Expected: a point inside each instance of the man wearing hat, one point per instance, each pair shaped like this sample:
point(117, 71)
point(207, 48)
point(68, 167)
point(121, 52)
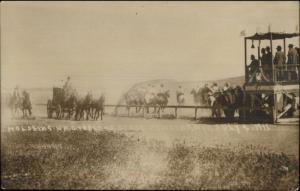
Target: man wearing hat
point(269, 56)
point(279, 62)
point(293, 60)
point(253, 68)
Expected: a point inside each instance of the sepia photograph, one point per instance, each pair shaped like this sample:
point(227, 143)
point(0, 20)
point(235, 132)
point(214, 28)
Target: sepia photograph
point(149, 95)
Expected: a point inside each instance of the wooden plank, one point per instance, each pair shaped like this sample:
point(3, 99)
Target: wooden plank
point(286, 109)
point(288, 120)
point(168, 106)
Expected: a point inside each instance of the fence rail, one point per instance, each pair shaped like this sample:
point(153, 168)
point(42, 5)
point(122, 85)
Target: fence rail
point(241, 109)
point(175, 107)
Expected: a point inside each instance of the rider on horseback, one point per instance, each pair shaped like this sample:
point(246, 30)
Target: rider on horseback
point(26, 102)
point(214, 90)
point(161, 90)
point(179, 93)
point(228, 91)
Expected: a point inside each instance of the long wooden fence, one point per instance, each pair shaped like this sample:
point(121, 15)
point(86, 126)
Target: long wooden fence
point(143, 107)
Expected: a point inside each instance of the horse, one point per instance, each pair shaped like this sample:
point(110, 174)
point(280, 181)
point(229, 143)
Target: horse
point(180, 98)
point(26, 104)
point(150, 100)
point(135, 98)
point(97, 108)
point(83, 106)
point(197, 96)
point(15, 105)
point(201, 96)
point(225, 100)
point(68, 106)
point(162, 100)
point(240, 100)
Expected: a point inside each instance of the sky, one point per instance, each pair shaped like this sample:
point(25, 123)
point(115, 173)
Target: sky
point(113, 45)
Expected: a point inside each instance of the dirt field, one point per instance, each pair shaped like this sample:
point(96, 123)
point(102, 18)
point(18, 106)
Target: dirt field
point(141, 153)
point(280, 138)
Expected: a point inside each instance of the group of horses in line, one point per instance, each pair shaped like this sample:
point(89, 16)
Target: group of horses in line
point(228, 101)
point(78, 108)
point(139, 99)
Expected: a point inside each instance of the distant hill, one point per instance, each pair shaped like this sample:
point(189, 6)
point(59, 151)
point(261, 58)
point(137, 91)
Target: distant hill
point(187, 86)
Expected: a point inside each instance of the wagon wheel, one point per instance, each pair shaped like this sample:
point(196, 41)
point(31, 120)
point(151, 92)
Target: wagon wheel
point(49, 109)
point(58, 111)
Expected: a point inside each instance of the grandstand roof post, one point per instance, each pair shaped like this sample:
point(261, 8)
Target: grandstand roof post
point(246, 75)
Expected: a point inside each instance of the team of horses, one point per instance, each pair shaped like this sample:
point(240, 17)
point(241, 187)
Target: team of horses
point(229, 101)
point(78, 108)
point(146, 100)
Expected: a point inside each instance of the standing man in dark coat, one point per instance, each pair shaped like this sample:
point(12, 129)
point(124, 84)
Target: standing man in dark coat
point(266, 68)
point(279, 63)
point(269, 60)
point(253, 69)
point(293, 60)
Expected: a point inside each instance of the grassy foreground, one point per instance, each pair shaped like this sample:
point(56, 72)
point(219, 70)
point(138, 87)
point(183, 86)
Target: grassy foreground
point(107, 160)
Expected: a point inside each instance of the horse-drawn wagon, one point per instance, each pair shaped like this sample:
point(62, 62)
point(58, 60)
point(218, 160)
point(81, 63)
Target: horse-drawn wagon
point(62, 102)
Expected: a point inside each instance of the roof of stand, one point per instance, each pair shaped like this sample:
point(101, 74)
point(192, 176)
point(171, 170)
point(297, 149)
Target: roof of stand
point(274, 35)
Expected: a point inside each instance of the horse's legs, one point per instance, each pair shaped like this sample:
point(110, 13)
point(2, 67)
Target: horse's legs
point(218, 112)
point(24, 113)
point(79, 115)
point(92, 114)
point(82, 114)
point(212, 112)
point(97, 114)
point(69, 114)
point(87, 114)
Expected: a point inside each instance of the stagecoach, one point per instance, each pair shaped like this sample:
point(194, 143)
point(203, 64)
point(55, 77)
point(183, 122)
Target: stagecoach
point(277, 99)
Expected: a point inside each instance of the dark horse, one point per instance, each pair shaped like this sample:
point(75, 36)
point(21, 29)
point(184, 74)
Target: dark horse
point(162, 100)
point(83, 106)
point(228, 101)
point(68, 106)
point(97, 108)
point(26, 104)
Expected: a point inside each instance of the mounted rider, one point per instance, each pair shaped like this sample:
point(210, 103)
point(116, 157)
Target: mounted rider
point(179, 93)
point(26, 101)
point(214, 91)
point(228, 91)
point(161, 90)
